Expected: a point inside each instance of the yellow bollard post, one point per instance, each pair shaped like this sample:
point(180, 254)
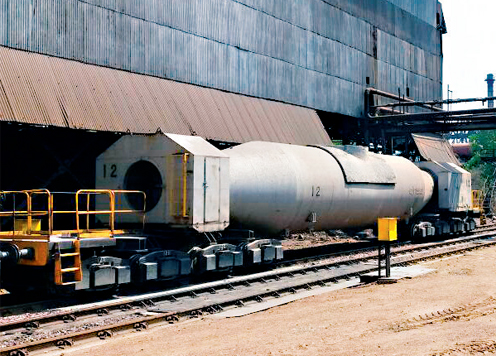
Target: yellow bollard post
point(387, 232)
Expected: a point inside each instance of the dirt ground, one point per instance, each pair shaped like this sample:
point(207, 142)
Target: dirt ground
point(321, 238)
point(451, 311)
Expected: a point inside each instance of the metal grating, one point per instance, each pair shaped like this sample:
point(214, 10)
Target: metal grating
point(43, 90)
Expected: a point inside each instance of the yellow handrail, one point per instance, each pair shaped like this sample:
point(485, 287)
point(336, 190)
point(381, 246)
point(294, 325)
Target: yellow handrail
point(477, 199)
point(127, 211)
point(13, 211)
point(29, 213)
point(111, 212)
point(185, 184)
point(30, 206)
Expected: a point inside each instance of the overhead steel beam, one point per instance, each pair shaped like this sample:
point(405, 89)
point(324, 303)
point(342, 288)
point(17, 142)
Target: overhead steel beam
point(444, 115)
point(400, 99)
point(434, 102)
point(433, 127)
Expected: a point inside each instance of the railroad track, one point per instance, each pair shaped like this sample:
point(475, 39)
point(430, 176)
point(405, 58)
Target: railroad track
point(62, 327)
point(309, 253)
point(303, 255)
point(292, 257)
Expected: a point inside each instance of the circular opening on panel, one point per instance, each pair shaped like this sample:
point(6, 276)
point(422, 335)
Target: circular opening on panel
point(144, 176)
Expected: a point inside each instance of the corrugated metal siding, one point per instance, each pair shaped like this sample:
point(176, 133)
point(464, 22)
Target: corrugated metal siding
point(314, 53)
point(51, 91)
point(424, 10)
point(433, 147)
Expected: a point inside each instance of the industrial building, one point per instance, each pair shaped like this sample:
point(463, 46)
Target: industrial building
point(77, 74)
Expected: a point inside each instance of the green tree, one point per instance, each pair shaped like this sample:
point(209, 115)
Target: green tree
point(481, 165)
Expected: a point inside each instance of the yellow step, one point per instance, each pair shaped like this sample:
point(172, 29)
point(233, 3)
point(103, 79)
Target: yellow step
point(70, 254)
point(68, 283)
point(75, 268)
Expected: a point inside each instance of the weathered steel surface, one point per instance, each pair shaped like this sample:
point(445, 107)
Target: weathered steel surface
point(202, 203)
point(433, 147)
point(425, 10)
point(315, 53)
point(51, 91)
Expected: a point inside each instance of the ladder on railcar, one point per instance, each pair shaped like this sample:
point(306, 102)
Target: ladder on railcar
point(68, 269)
point(33, 226)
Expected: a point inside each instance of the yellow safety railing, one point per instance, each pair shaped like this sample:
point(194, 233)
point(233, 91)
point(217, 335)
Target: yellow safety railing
point(111, 212)
point(23, 209)
point(185, 185)
point(26, 213)
point(178, 199)
point(477, 200)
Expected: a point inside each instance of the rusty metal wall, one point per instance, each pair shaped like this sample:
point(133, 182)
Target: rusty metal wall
point(314, 53)
point(433, 147)
point(49, 91)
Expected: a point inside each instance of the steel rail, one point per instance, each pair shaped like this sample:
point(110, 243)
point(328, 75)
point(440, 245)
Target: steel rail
point(317, 274)
point(291, 266)
point(304, 255)
point(312, 257)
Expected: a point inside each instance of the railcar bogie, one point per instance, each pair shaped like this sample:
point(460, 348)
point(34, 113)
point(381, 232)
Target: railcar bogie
point(169, 207)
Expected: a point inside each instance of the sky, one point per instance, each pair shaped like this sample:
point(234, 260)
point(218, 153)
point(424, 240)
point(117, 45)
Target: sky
point(469, 49)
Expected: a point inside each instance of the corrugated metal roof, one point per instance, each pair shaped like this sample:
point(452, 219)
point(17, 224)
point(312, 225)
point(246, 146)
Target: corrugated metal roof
point(433, 147)
point(43, 90)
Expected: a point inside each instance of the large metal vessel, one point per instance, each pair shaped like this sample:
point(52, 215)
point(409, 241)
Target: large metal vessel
point(276, 187)
point(190, 185)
